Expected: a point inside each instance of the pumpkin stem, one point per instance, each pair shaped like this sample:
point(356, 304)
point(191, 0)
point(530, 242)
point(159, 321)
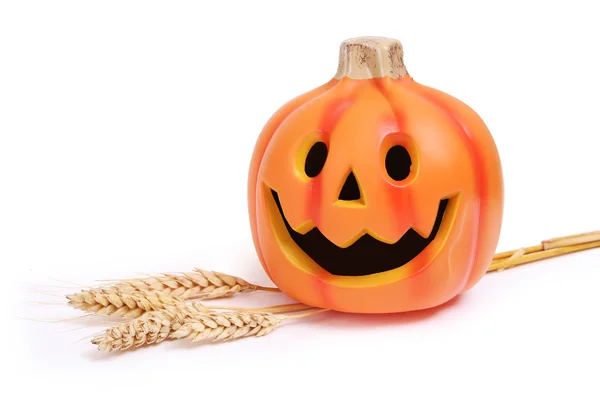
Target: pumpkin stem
point(371, 57)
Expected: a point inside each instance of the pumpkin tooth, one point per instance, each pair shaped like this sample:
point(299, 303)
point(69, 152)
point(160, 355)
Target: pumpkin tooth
point(425, 214)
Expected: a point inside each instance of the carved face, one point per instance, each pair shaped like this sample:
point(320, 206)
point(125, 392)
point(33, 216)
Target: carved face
point(376, 195)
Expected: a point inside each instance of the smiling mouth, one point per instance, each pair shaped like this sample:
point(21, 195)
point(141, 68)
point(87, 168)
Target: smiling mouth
point(365, 256)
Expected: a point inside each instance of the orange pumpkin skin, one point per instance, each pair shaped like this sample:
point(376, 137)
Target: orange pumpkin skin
point(454, 158)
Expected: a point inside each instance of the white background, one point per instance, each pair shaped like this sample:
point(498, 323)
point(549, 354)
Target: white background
point(126, 133)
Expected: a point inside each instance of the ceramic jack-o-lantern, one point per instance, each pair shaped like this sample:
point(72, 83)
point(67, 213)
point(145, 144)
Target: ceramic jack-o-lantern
point(374, 193)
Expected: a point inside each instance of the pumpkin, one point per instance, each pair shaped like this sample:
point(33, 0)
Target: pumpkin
point(373, 193)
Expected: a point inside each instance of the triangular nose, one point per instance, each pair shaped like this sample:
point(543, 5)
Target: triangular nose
point(350, 190)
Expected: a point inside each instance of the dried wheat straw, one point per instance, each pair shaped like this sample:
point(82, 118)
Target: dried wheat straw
point(290, 307)
point(547, 249)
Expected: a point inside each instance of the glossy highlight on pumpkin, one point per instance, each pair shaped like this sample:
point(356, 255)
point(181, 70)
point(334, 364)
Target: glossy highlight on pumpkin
point(373, 193)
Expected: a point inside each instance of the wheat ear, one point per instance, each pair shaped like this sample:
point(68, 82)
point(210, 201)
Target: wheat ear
point(130, 298)
point(149, 328)
point(227, 325)
point(124, 302)
point(198, 284)
point(185, 323)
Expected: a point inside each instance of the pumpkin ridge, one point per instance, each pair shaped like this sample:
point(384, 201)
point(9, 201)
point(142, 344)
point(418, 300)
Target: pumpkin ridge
point(260, 147)
point(332, 114)
point(384, 85)
point(391, 88)
point(480, 187)
point(296, 104)
point(492, 183)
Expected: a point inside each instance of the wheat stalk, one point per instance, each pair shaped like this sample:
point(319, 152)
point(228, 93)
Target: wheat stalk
point(124, 302)
point(547, 249)
point(185, 323)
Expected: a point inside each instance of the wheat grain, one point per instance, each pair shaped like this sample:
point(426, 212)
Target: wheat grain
point(185, 323)
point(124, 302)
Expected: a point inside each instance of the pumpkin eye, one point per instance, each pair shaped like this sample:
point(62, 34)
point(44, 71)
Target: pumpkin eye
point(398, 163)
point(315, 159)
